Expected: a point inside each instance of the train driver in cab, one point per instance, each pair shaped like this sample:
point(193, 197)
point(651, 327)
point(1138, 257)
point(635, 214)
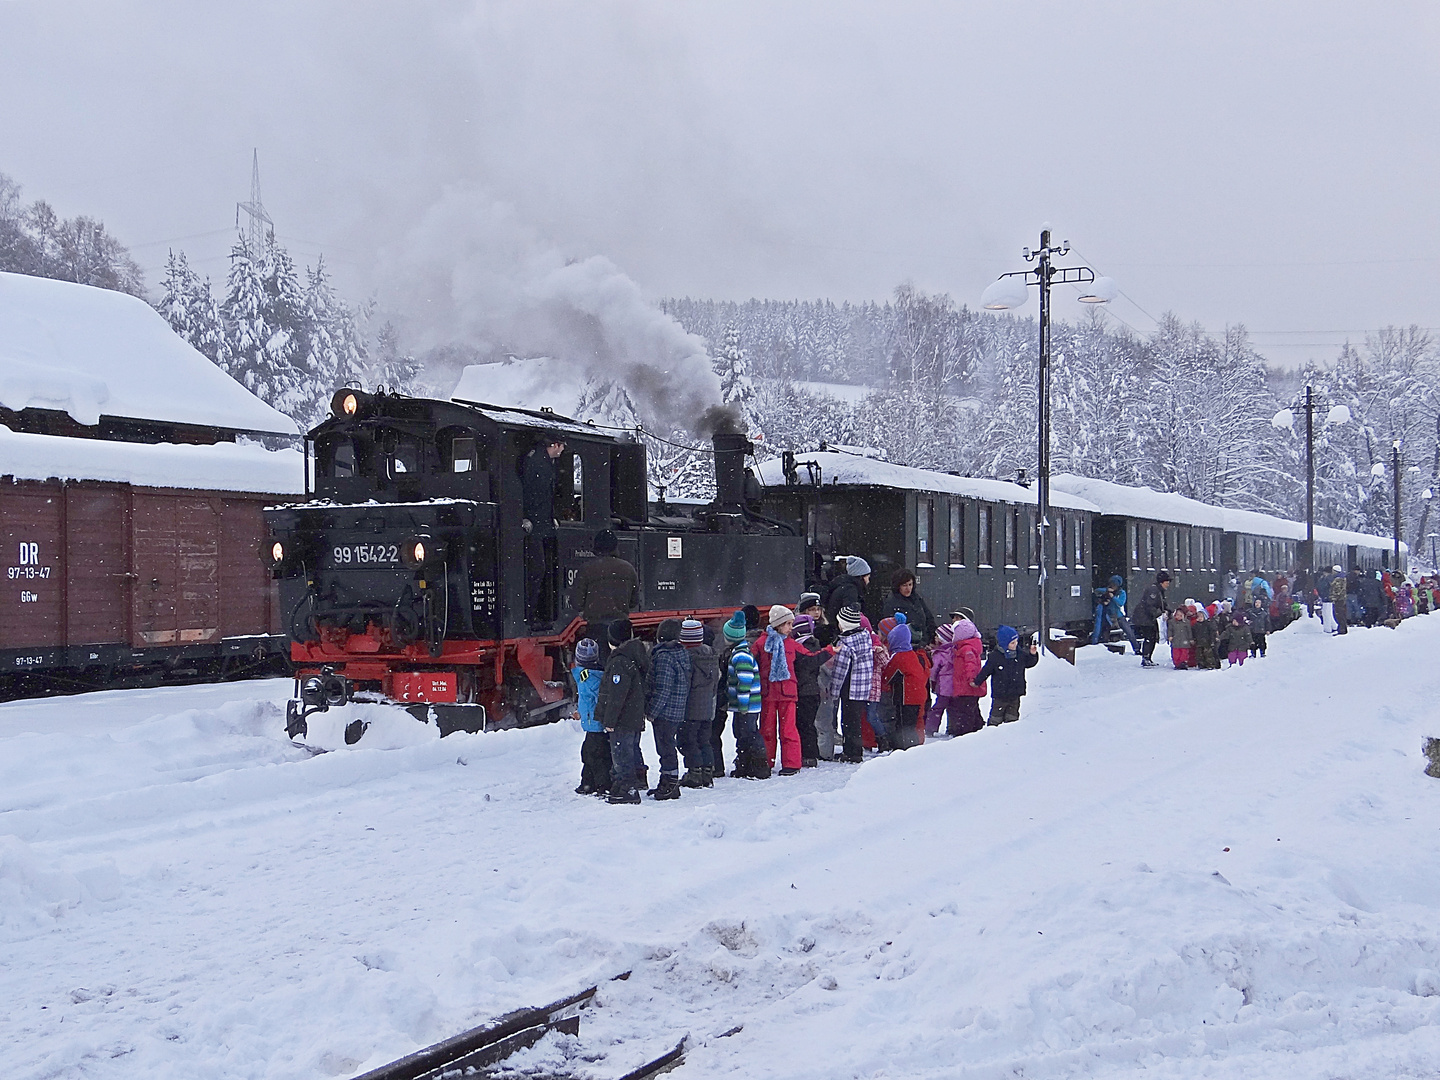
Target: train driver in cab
point(537, 489)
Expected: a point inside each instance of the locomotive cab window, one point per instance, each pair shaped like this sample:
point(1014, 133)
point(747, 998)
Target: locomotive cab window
point(462, 454)
point(402, 456)
point(336, 457)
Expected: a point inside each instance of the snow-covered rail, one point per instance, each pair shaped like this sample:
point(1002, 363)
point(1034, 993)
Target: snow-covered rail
point(477, 1049)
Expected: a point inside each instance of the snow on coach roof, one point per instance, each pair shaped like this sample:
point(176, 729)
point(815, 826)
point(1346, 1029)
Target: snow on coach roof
point(851, 469)
point(92, 352)
point(221, 467)
point(1152, 505)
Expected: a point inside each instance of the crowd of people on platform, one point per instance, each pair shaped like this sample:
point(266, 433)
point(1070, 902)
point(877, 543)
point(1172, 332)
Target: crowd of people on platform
point(787, 681)
point(1236, 626)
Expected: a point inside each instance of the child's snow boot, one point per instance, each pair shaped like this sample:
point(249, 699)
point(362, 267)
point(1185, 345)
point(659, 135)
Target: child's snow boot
point(669, 788)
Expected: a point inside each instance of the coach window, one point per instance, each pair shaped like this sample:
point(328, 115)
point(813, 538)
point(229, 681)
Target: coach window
point(1134, 546)
point(985, 544)
point(1012, 536)
point(1061, 546)
point(1030, 540)
point(924, 531)
point(957, 531)
point(1176, 563)
point(1149, 547)
point(1079, 541)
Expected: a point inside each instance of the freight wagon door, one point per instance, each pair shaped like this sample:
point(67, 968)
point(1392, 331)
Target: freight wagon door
point(97, 565)
point(32, 596)
point(246, 586)
point(176, 544)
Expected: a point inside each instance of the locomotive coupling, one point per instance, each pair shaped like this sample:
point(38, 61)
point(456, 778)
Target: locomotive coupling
point(317, 694)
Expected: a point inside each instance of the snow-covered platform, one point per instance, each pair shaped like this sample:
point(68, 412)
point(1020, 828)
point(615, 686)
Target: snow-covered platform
point(1184, 874)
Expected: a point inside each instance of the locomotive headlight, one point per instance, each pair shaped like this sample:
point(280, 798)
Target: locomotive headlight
point(349, 404)
point(273, 553)
point(415, 551)
point(277, 552)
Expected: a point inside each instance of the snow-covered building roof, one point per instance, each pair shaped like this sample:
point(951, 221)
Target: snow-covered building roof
point(865, 471)
point(1151, 505)
point(93, 352)
point(223, 466)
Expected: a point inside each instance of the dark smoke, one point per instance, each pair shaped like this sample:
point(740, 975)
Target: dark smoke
point(720, 420)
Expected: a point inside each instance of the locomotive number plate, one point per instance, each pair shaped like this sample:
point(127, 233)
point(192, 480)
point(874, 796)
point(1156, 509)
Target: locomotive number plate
point(365, 555)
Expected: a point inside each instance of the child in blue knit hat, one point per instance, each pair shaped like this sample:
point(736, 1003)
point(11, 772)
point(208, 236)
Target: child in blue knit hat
point(595, 750)
point(1005, 668)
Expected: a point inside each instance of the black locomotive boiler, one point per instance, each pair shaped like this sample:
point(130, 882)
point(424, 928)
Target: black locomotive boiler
point(403, 579)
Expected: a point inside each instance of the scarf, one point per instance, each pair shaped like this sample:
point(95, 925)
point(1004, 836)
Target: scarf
point(775, 646)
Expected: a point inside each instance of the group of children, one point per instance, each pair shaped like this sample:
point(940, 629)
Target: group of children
point(1204, 637)
point(772, 684)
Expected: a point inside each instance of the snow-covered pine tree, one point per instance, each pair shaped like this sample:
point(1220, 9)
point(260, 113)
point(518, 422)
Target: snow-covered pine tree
point(335, 354)
point(262, 311)
point(735, 385)
point(190, 307)
point(393, 368)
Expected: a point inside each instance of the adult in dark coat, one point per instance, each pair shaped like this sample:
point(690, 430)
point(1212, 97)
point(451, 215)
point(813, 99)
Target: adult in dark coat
point(904, 597)
point(606, 587)
point(1372, 597)
point(1152, 607)
point(848, 590)
point(620, 709)
point(537, 500)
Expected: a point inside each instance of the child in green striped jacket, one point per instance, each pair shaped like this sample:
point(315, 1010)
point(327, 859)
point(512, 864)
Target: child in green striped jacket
point(743, 692)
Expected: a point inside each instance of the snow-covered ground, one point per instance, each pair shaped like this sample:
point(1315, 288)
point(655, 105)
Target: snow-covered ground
point(1181, 874)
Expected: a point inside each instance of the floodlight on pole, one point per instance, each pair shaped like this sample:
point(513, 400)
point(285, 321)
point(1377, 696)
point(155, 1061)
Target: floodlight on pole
point(1012, 291)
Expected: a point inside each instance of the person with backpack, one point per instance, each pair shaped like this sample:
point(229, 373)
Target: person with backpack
point(742, 684)
point(907, 678)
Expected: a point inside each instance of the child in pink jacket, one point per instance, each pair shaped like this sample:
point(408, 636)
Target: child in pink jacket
point(942, 679)
point(964, 708)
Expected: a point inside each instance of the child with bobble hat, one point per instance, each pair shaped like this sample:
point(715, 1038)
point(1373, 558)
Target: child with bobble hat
point(743, 690)
point(595, 750)
point(907, 674)
point(779, 691)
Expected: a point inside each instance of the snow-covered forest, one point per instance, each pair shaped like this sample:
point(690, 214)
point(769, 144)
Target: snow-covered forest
point(1180, 410)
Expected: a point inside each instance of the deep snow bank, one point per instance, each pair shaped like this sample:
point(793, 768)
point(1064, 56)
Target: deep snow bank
point(1216, 874)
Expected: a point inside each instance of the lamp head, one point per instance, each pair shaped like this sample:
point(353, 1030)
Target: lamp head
point(1004, 294)
point(1100, 291)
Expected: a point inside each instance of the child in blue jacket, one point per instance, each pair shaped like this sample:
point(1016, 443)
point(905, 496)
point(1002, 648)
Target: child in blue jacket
point(595, 750)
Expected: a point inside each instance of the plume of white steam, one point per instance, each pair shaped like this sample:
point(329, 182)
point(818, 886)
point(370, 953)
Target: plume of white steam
point(483, 278)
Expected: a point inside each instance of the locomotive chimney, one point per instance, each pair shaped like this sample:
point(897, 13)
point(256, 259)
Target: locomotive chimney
point(730, 451)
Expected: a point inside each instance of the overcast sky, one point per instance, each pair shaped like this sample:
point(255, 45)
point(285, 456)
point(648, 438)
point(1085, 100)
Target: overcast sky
point(1271, 164)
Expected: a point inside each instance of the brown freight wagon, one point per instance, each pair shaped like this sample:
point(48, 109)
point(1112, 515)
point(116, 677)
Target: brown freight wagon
point(110, 584)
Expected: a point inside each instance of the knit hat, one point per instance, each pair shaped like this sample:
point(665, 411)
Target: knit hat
point(887, 624)
point(965, 630)
point(587, 651)
point(848, 618)
point(735, 628)
point(946, 633)
point(804, 626)
point(692, 632)
point(865, 622)
point(1005, 636)
point(752, 616)
point(899, 638)
point(855, 566)
point(669, 630)
point(604, 543)
point(1164, 575)
point(1116, 579)
point(780, 615)
point(808, 600)
point(621, 631)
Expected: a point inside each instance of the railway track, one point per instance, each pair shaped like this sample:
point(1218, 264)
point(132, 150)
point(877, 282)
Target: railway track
point(475, 1053)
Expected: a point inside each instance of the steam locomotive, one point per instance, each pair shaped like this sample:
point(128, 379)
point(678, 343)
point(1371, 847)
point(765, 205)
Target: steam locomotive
point(402, 578)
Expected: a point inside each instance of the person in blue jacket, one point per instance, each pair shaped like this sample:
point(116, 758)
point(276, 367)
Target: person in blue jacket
point(595, 750)
point(1110, 606)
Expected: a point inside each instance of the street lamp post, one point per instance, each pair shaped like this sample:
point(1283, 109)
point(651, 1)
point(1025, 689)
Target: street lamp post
point(1337, 414)
point(1011, 291)
point(1395, 467)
